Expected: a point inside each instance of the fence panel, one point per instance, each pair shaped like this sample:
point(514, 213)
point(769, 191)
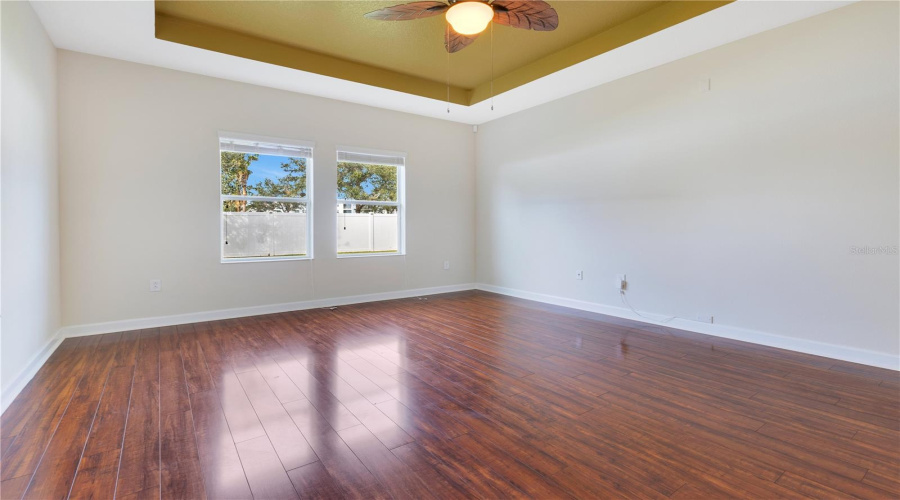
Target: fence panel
point(359, 233)
point(261, 234)
point(385, 227)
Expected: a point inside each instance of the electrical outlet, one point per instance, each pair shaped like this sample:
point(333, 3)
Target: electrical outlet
point(155, 285)
point(704, 318)
point(446, 265)
point(579, 275)
point(621, 283)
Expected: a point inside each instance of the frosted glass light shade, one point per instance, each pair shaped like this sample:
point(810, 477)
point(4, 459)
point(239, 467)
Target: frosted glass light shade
point(470, 18)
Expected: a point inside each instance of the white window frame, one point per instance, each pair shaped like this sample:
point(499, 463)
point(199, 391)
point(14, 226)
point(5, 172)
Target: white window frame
point(400, 203)
point(225, 136)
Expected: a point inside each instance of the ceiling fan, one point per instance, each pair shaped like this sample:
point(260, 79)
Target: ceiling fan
point(468, 18)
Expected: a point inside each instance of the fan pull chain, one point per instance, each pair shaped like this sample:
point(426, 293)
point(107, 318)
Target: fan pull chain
point(447, 47)
point(492, 65)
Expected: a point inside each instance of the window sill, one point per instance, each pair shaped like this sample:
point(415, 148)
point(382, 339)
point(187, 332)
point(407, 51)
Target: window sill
point(242, 260)
point(373, 254)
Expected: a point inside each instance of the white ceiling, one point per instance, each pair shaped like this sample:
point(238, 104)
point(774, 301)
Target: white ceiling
point(125, 30)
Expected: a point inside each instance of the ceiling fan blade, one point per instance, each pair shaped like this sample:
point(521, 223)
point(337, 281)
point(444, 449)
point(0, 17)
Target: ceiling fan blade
point(454, 42)
point(408, 11)
point(530, 15)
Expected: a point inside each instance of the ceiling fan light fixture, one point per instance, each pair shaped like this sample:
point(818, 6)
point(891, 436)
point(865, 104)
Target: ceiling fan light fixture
point(469, 18)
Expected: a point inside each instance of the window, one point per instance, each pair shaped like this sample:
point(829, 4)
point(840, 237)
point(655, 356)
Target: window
point(265, 202)
point(370, 209)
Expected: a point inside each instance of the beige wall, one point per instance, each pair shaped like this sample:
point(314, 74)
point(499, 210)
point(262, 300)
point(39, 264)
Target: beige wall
point(742, 202)
point(29, 272)
point(140, 191)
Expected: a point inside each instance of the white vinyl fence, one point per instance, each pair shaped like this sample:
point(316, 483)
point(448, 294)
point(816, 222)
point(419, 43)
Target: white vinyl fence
point(367, 233)
point(262, 234)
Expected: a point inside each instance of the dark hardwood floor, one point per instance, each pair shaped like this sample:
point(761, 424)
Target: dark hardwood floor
point(461, 395)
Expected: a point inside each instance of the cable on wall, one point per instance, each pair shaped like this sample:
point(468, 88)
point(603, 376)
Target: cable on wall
point(625, 301)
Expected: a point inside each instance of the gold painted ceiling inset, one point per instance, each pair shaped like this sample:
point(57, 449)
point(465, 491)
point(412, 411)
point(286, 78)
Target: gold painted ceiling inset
point(333, 38)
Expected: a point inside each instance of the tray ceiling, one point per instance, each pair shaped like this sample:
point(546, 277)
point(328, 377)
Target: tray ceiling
point(332, 38)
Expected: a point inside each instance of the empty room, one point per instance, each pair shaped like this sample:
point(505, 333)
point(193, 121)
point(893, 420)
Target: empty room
point(450, 249)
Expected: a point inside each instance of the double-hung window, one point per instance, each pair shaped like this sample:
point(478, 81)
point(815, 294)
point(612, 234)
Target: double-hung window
point(266, 210)
point(370, 208)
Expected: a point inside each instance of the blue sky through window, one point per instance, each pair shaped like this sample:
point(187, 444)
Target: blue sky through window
point(266, 167)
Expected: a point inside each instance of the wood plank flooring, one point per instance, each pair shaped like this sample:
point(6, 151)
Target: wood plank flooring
point(455, 396)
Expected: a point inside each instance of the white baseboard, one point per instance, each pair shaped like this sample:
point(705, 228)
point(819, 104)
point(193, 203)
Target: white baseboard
point(34, 364)
point(844, 353)
point(15, 387)
point(240, 312)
